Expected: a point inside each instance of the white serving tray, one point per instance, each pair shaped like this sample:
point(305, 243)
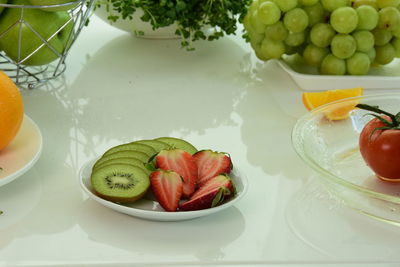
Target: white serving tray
point(306, 77)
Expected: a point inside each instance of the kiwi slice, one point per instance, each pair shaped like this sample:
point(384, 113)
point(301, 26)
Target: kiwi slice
point(148, 150)
point(178, 143)
point(121, 183)
point(126, 160)
point(157, 145)
point(123, 154)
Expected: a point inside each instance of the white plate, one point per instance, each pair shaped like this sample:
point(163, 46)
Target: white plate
point(151, 210)
point(306, 77)
point(22, 153)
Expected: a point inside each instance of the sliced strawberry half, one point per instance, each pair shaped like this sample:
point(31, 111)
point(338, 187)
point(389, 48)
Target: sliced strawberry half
point(205, 201)
point(222, 180)
point(211, 194)
point(167, 187)
point(211, 164)
point(181, 162)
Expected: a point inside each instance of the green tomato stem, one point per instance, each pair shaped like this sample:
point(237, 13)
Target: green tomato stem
point(395, 118)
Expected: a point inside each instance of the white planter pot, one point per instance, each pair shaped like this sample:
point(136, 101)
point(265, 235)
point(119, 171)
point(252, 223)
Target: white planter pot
point(136, 24)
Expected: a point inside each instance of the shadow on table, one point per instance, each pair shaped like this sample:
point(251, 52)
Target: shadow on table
point(136, 88)
point(322, 220)
point(272, 108)
point(203, 237)
point(114, 99)
point(31, 200)
point(17, 201)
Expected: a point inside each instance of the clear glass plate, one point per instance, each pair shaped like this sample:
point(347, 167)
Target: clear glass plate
point(331, 149)
point(147, 208)
point(308, 79)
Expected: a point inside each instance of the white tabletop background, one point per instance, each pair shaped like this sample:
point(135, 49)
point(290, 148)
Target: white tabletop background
point(118, 88)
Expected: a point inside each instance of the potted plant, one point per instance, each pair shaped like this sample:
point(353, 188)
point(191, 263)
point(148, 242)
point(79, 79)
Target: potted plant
point(189, 20)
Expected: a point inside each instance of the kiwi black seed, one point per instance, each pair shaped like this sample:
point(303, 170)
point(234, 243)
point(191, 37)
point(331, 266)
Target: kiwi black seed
point(148, 150)
point(178, 143)
point(120, 183)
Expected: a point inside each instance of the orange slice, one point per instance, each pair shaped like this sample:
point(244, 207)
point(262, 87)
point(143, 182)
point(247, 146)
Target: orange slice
point(341, 111)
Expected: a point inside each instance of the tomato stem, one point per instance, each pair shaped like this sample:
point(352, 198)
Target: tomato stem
point(394, 118)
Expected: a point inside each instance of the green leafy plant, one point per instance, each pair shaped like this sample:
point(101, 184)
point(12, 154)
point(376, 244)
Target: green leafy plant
point(191, 16)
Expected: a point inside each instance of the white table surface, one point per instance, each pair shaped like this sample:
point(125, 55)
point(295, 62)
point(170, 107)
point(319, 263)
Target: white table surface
point(118, 88)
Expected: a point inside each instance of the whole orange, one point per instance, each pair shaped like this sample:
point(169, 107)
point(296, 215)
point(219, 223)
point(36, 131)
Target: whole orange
point(11, 110)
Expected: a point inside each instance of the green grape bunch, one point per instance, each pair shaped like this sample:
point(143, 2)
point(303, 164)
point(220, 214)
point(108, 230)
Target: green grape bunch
point(338, 37)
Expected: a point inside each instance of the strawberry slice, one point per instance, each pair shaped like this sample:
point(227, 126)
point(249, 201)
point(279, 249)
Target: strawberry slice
point(181, 162)
point(205, 201)
point(222, 180)
point(211, 194)
point(167, 188)
point(211, 164)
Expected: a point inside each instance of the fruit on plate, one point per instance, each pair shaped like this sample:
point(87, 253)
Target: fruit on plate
point(54, 27)
point(173, 174)
point(157, 145)
point(148, 150)
point(210, 194)
point(181, 162)
point(167, 187)
point(178, 143)
point(123, 154)
point(124, 160)
point(139, 152)
point(121, 183)
point(313, 100)
point(325, 34)
point(54, 2)
point(379, 143)
point(210, 164)
point(11, 110)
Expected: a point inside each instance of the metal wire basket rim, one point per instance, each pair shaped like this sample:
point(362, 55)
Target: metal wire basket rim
point(42, 6)
point(30, 76)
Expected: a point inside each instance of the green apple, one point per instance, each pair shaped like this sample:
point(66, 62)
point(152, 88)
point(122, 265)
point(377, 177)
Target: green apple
point(2, 2)
point(54, 2)
point(46, 24)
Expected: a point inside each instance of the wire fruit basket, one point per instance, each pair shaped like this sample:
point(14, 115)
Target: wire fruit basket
point(35, 39)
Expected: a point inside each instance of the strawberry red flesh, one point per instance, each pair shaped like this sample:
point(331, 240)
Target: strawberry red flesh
point(211, 164)
point(182, 163)
point(167, 187)
point(204, 201)
point(211, 194)
point(222, 180)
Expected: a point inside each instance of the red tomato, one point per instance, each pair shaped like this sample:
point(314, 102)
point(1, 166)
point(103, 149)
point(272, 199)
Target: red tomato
point(381, 150)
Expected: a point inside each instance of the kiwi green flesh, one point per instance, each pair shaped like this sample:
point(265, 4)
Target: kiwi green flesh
point(148, 150)
point(157, 145)
point(130, 161)
point(178, 143)
point(121, 183)
point(124, 154)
